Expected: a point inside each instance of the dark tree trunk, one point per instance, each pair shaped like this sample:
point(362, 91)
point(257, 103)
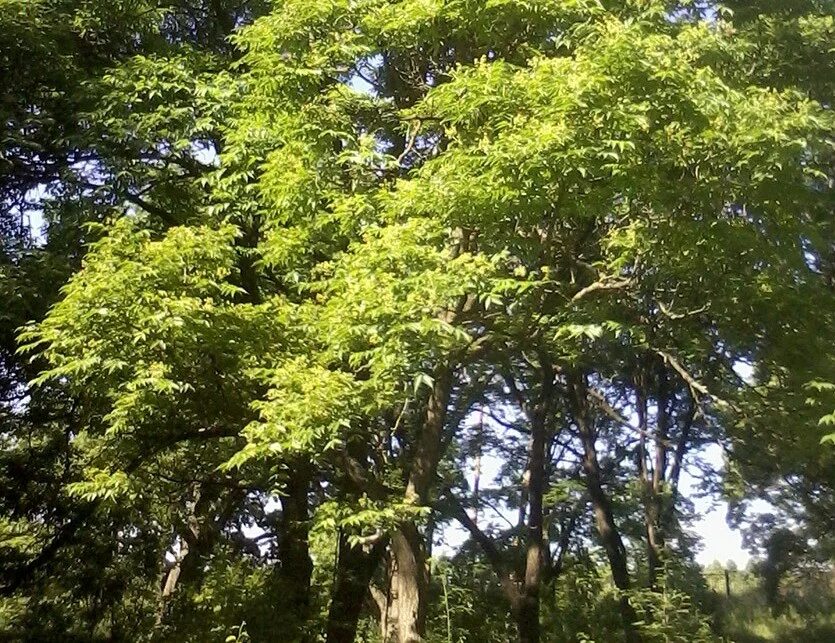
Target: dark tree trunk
point(612, 543)
point(602, 508)
point(295, 566)
point(354, 568)
point(526, 614)
point(523, 589)
point(605, 524)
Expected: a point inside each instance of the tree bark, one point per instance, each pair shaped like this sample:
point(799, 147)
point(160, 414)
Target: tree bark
point(409, 584)
point(650, 489)
point(527, 613)
point(169, 582)
point(354, 568)
point(655, 526)
point(428, 447)
point(295, 566)
point(410, 570)
point(602, 508)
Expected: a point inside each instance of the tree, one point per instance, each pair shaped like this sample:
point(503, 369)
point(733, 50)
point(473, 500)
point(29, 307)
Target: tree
point(78, 144)
point(322, 245)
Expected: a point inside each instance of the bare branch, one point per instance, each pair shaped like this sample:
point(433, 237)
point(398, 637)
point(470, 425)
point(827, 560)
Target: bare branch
point(413, 134)
point(696, 387)
point(603, 284)
point(689, 313)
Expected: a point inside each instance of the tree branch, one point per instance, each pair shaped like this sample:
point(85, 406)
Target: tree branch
point(603, 284)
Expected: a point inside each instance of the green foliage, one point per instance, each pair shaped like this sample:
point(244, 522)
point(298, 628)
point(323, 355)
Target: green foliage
point(585, 608)
point(291, 248)
point(746, 616)
point(467, 604)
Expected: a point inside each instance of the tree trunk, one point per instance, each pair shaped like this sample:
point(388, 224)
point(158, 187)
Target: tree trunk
point(655, 526)
point(650, 490)
point(428, 448)
point(526, 614)
point(655, 544)
point(295, 566)
point(410, 573)
point(409, 584)
point(523, 590)
point(605, 523)
point(169, 582)
point(354, 568)
point(602, 508)
point(611, 541)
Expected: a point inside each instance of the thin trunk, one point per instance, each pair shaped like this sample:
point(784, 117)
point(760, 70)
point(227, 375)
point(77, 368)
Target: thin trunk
point(527, 612)
point(523, 591)
point(554, 568)
point(520, 607)
point(678, 461)
point(169, 583)
point(611, 541)
point(478, 448)
point(656, 528)
point(522, 514)
point(605, 521)
point(655, 543)
point(602, 508)
point(649, 487)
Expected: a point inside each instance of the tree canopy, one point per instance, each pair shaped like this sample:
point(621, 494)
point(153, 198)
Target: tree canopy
point(319, 283)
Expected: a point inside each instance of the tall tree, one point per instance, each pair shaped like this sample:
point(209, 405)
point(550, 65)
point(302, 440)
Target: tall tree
point(322, 241)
